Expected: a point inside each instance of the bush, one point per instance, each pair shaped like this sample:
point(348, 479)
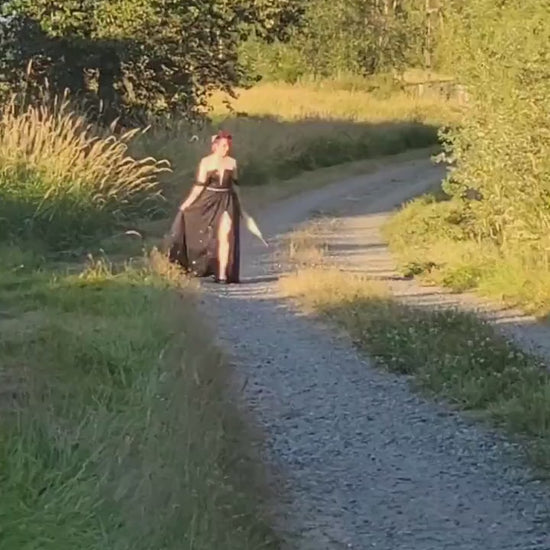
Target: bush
point(61, 180)
point(493, 234)
point(500, 51)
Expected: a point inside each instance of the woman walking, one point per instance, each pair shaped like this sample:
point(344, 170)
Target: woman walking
point(205, 233)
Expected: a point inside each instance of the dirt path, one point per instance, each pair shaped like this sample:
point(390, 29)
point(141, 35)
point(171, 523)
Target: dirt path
point(358, 246)
point(365, 462)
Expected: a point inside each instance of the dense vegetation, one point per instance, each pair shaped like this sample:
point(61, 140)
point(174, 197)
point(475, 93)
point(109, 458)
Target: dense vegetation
point(116, 430)
point(353, 37)
point(116, 427)
point(131, 393)
point(133, 56)
point(491, 232)
point(65, 182)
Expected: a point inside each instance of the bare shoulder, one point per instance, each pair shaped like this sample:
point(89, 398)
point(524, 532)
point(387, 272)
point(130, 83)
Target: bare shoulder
point(232, 163)
point(205, 161)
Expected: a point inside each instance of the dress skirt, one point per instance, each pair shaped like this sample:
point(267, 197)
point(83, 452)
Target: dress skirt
point(194, 235)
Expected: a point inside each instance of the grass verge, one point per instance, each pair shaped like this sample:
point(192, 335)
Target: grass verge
point(450, 354)
point(116, 429)
point(431, 241)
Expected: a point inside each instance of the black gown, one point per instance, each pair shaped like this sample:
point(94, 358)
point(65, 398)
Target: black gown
point(194, 234)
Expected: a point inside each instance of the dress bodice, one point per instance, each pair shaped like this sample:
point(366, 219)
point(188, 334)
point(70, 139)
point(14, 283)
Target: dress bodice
point(226, 182)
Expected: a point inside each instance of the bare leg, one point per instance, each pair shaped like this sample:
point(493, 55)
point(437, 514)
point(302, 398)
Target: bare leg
point(224, 231)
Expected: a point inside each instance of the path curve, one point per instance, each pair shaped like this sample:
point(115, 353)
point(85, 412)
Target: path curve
point(365, 462)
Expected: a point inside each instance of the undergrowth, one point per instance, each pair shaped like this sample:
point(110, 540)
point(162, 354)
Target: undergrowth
point(63, 181)
point(434, 241)
point(116, 427)
point(492, 236)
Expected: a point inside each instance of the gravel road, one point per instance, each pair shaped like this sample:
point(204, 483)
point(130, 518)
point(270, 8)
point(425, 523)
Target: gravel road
point(362, 461)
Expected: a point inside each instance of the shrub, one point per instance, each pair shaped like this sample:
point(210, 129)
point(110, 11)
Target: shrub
point(62, 180)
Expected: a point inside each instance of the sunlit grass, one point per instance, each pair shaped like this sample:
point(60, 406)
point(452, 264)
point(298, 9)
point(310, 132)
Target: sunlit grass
point(300, 102)
point(448, 353)
point(430, 242)
point(281, 131)
point(116, 427)
point(62, 180)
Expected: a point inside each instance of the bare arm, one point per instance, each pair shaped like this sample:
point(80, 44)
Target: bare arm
point(197, 189)
point(194, 194)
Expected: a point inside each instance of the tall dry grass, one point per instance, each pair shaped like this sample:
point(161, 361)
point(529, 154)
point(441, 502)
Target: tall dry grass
point(281, 131)
point(302, 102)
point(61, 179)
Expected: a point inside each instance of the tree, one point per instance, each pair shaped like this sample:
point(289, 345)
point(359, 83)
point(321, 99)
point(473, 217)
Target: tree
point(347, 36)
point(146, 56)
point(388, 33)
point(501, 52)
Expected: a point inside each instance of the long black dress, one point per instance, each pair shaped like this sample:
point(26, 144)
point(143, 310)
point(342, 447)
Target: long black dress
point(194, 235)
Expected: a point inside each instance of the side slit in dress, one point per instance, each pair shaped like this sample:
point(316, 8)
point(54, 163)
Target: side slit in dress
point(195, 232)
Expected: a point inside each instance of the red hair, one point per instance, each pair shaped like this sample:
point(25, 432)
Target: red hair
point(222, 134)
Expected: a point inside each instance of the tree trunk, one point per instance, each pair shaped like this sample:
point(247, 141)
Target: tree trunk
point(109, 74)
point(70, 74)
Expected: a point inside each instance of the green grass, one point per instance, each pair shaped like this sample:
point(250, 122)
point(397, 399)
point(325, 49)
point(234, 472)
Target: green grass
point(116, 426)
point(116, 429)
point(65, 182)
point(449, 354)
point(433, 240)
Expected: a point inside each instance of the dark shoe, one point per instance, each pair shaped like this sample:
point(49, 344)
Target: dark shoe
point(221, 281)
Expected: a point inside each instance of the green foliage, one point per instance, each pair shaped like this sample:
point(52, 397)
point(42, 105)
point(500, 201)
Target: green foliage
point(501, 52)
point(138, 56)
point(439, 242)
point(339, 37)
point(115, 430)
point(500, 183)
point(425, 216)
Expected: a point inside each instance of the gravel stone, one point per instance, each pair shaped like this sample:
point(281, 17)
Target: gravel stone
point(362, 461)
